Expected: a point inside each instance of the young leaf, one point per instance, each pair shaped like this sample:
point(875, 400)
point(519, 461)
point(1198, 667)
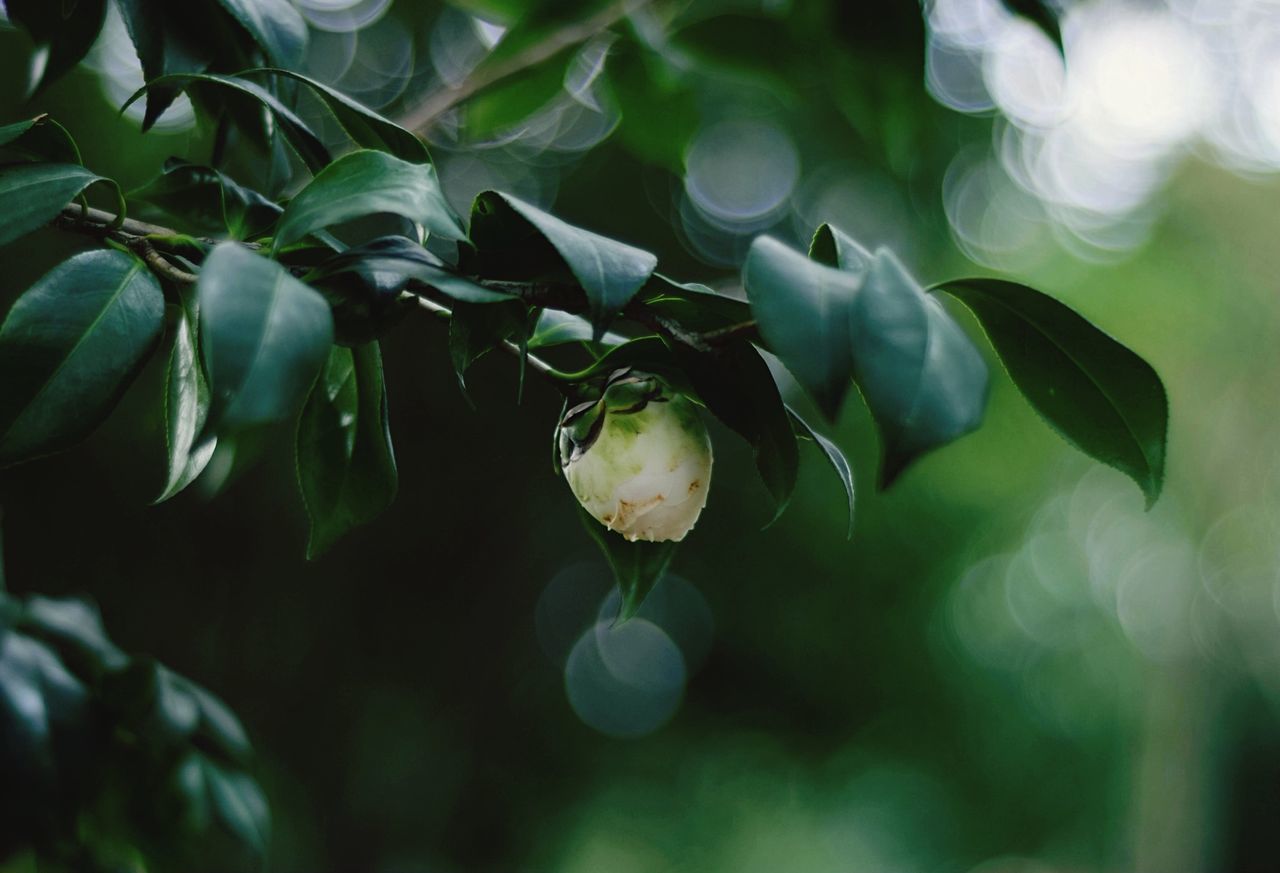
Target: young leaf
point(346, 466)
point(637, 567)
point(736, 385)
point(923, 379)
point(275, 25)
point(363, 183)
point(42, 139)
point(250, 96)
point(512, 235)
point(833, 454)
point(803, 311)
point(555, 328)
point(32, 195)
point(366, 127)
point(186, 403)
point(205, 200)
point(69, 348)
point(264, 336)
point(67, 29)
point(1100, 396)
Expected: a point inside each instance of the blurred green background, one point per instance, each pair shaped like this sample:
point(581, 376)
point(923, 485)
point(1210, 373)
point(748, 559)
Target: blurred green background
point(1010, 668)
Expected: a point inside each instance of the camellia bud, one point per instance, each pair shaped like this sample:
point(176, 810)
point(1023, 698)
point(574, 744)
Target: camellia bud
point(638, 458)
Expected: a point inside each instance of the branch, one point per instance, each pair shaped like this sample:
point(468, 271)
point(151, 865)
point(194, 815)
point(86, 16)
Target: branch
point(424, 116)
point(139, 237)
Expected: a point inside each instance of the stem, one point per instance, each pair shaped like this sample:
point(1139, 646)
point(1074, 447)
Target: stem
point(424, 116)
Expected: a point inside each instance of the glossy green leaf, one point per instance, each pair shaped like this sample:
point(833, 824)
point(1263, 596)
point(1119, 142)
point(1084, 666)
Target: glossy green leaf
point(735, 384)
point(922, 377)
point(555, 328)
point(68, 30)
point(803, 312)
point(250, 95)
point(637, 567)
point(1100, 396)
point(363, 183)
point(186, 403)
point(32, 195)
point(834, 456)
point(263, 336)
point(169, 38)
point(392, 262)
point(365, 126)
point(205, 200)
point(70, 346)
point(696, 307)
point(275, 25)
point(519, 238)
point(40, 138)
point(346, 466)
point(238, 804)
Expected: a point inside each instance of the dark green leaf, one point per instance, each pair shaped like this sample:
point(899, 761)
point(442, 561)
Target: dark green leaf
point(275, 25)
point(474, 330)
point(263, 335)
point(1100, 396)
point(650, 354)
point(366, 127)
point(923, 379)
point(32, 195)
point(248, 96)
point(238, 804)
point(363, 183)
point(392, 262)
point(637, 566)
point(168, 39)
point(69, 348)
point(205, 200)
point(186, 403)
point(40, 138)
point(67, 29)
point(833, 454)
point(735, 384)
point(695, 306)
point(803, 312)
point(346, 466)
point(511, 235)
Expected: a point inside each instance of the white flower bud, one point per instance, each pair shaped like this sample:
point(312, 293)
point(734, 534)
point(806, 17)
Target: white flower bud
point(638, 459)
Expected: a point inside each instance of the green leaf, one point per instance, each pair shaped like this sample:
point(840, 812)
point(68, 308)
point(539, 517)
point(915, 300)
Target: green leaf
point(205, 200)
point(275, 25)
point(363, 183)
point(346, 466)
point(833, 454)
point(70, 346)
point(637, 567)
point(186, 404)
point(249, 96)
point(803, 312)
point(735, 384)
point(239, 805)
point(40, 138)
point(474, 330)
point(514, 237)
point(1100, 396)
point(32, 195)
point(923, 379)
point(391, 262)
point(649, 354)
point(555, 328)
point(365, 127)
point(263, 334)
point(68, 30)
point(695, 306)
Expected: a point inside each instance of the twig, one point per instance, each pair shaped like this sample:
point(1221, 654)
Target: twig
point(424, 116)
point(142, 247)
